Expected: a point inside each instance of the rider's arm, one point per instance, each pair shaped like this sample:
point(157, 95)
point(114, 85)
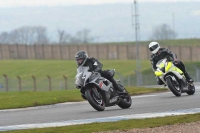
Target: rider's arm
point(174, 57)
point(153, 64)
point(97, 65)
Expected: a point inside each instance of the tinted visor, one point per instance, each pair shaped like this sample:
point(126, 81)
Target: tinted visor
point(153, 47)
point(79, 56)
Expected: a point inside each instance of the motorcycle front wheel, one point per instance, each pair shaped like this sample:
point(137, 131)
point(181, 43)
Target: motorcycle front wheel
point(95, 102)
point(174, 88)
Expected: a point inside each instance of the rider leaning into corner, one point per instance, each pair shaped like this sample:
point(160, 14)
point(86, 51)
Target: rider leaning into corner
point(161, 53)
point(95, 66)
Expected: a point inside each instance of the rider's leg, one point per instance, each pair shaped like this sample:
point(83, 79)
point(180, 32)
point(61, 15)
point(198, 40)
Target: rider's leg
point(106, 75)
point(180, 65)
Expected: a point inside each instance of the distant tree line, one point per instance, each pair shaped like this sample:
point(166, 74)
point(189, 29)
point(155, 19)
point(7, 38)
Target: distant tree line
point(163, 32)
point(30, 35)
point(81, 37)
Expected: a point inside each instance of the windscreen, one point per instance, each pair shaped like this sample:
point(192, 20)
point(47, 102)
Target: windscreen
point(80, 70)
point(159, 63)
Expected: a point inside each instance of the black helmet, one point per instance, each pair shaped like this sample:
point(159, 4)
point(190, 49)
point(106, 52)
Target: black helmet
point(81, 57)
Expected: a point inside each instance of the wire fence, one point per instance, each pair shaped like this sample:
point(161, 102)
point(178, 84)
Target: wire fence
point(34, 84)
point(48, 83)
point(150, 79)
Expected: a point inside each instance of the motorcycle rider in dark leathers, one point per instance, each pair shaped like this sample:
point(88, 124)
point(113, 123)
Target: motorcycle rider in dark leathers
point(95, 66)
point(161, 53)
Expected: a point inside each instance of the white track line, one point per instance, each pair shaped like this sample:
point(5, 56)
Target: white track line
point(104, 119)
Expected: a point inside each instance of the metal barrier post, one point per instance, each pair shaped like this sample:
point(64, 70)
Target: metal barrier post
point(65, 81)
point(34, 82)
point(49, 82)
point(6, 78)
point(197, 74)
point(20, 87)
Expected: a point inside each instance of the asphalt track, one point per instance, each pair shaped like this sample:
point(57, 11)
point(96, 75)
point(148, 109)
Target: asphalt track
point(143, 106)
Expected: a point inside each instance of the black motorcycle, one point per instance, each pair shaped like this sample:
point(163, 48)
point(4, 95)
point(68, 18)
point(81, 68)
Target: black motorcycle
point(99, 91)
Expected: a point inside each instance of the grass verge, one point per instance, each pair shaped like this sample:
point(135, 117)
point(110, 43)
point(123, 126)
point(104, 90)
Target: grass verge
point(10, 100)
point(119, 125)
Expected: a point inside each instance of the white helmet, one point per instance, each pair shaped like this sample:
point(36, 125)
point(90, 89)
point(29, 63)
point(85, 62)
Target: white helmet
point(154, 47)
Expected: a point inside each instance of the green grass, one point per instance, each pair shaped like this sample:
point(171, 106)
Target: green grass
point(57, 68)
point(38, 68)
point(25, 69)
point(119, 125)
point(142, 90)
point(30, 99)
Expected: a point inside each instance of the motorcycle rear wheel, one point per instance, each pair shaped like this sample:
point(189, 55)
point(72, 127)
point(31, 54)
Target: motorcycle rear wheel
point(125, 101)
point(191, 90)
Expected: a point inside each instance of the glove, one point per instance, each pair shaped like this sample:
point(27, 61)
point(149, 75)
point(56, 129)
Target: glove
point(97, 70)
point(176, 61)
point(78, 87)
point(169, 58)
point(109, 73)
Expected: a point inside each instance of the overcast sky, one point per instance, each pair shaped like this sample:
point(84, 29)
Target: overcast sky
point(109, 22)
point(14, 3)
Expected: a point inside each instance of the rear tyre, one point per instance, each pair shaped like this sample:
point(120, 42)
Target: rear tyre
point(96, 103)
point(175, 89)
point(125, 101)
point(191, 89)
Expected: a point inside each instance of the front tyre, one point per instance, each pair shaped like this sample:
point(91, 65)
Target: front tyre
point(96, 103)
point(174, 88)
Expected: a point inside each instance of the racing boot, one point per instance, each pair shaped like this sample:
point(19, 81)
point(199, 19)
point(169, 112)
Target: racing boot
point(122, 90)
point(182, 67)
point(188, 78)
point(117, 87)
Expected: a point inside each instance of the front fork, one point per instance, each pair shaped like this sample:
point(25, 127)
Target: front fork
point(175, 81)
point(94, 89)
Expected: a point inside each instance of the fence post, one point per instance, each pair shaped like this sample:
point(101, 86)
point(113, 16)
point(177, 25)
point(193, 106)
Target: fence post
point(1, 53)
point(20, 87)
point(129, 80)
point(34, 82)
point(49, 82)
point(197, 74)
point(65, 81)
point(6, 78)
point(35, 55)
point(139, 78)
